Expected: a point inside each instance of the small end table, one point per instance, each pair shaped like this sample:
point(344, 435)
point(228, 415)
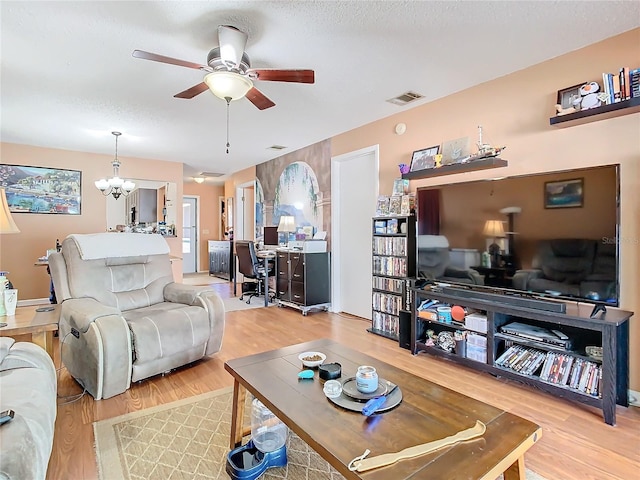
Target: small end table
point(40, 325)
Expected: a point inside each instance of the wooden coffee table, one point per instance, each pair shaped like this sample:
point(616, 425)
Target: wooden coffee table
point(40, 325)
point(428, 412)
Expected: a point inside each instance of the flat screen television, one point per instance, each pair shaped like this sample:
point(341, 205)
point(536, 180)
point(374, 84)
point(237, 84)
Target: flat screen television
point(559, 236)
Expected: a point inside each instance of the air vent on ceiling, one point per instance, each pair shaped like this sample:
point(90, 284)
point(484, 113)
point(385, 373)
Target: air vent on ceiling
point(211, 174)
point(406, 97)
point(276, 147)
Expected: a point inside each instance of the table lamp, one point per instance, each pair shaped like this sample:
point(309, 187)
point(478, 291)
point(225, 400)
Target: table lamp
point(287, 226)
point(7, 225)
point(494, 229)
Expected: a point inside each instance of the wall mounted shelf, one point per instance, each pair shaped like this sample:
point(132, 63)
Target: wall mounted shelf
point(472, 166)
point(613, 110)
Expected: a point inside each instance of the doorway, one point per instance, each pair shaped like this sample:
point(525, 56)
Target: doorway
point(189, 234)
point(352, 209)
point(244, 224)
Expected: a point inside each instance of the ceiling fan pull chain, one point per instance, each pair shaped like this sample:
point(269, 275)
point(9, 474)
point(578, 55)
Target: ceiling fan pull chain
point(228, 99)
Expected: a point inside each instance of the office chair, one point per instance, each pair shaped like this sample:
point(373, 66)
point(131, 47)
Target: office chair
point(251, 268)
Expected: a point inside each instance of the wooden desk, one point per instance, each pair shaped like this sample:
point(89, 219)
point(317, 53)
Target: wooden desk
point(428, 412)
point(40, 325)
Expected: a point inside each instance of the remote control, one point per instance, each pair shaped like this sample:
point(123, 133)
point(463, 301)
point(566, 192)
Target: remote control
point(45, 309)
point(6, 416)
point(560, 335)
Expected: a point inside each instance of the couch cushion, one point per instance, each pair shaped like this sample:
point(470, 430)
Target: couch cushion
point(165, 329)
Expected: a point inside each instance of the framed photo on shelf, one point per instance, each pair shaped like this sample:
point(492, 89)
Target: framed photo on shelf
point(566, 96)
point(564, 193)
point(42, 189)
point(422, 159)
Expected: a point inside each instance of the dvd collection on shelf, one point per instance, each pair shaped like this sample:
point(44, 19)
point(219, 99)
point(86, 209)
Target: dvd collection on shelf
point(386, 303)
point(388, 284)
point(555, 368)
point(390, 266)
point(390, 246)
point(385, 322)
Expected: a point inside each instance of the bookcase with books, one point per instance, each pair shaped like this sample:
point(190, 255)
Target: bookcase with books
point(561, 348)
point(393, 268)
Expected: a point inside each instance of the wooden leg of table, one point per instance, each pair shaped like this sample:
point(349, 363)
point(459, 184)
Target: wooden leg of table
point(237, 414)
point(516, 471)
point(45, 340)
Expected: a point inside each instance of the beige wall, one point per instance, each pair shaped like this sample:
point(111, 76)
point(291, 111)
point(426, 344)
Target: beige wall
point(38, 232)
point(514, 110)
point(209, 204)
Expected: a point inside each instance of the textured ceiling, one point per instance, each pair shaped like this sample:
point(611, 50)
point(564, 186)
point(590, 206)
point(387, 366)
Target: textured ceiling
point(68, 78)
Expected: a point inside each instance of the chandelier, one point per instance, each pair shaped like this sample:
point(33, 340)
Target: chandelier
point(115, 185)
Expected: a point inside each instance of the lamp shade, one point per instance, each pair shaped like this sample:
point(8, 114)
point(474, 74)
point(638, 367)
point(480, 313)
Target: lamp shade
point(228, 85)
point(7, 225)
point(493, 228)
point(287, 224)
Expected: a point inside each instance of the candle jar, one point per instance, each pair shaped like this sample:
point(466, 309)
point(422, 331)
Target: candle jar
point(366, 379)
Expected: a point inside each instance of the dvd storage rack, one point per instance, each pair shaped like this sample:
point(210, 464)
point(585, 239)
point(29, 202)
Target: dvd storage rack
point(393, 265)
point(564, 372)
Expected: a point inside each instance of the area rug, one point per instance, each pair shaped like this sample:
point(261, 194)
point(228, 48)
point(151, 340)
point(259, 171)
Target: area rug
point(189, 439)
point(201, 279)
point(232, 304)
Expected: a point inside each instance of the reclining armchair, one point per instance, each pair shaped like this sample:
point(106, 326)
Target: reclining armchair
point(123, 318)
point(434, 262)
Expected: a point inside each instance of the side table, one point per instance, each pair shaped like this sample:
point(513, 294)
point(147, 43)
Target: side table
point(494, 276)
point(40, 325)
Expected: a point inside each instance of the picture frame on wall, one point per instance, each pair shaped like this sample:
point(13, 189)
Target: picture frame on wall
point(564, 193)
point(423, 159)
point(42, 190)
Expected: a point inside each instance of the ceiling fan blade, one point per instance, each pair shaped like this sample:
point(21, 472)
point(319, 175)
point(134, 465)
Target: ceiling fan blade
point(232, 44)
point(258, 98)
point(193, 91)
point(162, 59)
point(279, 75)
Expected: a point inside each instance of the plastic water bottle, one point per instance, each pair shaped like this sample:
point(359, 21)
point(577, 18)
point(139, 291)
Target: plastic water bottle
point(267, 431)
point(4, 284)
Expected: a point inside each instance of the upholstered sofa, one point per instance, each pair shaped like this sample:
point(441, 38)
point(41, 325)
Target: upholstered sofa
point(434, 262)
point(577, 267)
point(28, 387)
point(123, 318)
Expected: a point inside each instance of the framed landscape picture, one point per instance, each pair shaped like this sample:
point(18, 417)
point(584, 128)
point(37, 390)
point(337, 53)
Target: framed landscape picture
point(42, 189)
point(564, 193)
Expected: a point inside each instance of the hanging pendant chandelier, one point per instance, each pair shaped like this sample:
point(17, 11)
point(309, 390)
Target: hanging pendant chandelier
point(115, 185)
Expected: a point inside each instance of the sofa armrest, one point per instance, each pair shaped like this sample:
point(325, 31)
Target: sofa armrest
point(79, 313)
point(522, 277)
point(206, 298)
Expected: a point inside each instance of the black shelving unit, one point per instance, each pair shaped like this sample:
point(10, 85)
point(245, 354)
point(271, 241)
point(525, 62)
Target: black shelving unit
point(394, 269)
point(471, 166)
point(626, 107)
point(609, 331)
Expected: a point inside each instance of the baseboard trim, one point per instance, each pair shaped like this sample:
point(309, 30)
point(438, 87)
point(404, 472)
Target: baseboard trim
point(33, 301)
point(634, 398)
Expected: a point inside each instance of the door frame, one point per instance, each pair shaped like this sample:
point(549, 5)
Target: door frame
point(196, 199)
point(336, 207)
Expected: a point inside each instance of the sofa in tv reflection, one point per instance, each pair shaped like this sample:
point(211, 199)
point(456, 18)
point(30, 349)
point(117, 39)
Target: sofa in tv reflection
point(434, 262)
point(123, 318)
point(571, 267)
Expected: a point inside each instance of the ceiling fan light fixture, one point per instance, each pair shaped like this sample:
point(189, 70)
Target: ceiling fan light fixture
point(228, 85)
point(198, 179)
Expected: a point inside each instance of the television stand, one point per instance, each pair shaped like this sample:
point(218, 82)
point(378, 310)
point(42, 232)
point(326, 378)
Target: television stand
point(564, 371)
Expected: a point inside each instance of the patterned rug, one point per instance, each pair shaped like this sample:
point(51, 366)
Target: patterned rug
point(189, 439)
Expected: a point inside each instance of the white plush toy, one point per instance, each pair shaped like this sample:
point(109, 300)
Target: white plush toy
point(588, 97)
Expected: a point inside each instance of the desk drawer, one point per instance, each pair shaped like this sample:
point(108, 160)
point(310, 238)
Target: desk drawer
point(297, 293)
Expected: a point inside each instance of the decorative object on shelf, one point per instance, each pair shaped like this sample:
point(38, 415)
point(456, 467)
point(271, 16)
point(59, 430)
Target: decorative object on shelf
point(589, 96)
point(400, 186)
point(564, 193)
point(445, 341)
point(455, 151)
point(485, 150)
point(41, 189)
point(407, 204)
point(115, 185)
point(423, 159)
point(495, 230)
point(568, 99)
point(404, 168)
point(382, 206)
point(594, 352)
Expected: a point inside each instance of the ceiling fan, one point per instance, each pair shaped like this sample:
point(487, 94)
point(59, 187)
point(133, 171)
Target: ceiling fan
point(229, 73)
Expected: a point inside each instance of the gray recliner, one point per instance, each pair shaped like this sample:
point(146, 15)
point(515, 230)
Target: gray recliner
point(123, 318)
point(434, 262)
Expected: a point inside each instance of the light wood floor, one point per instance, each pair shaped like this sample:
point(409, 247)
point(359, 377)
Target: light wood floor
point(576, 443)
